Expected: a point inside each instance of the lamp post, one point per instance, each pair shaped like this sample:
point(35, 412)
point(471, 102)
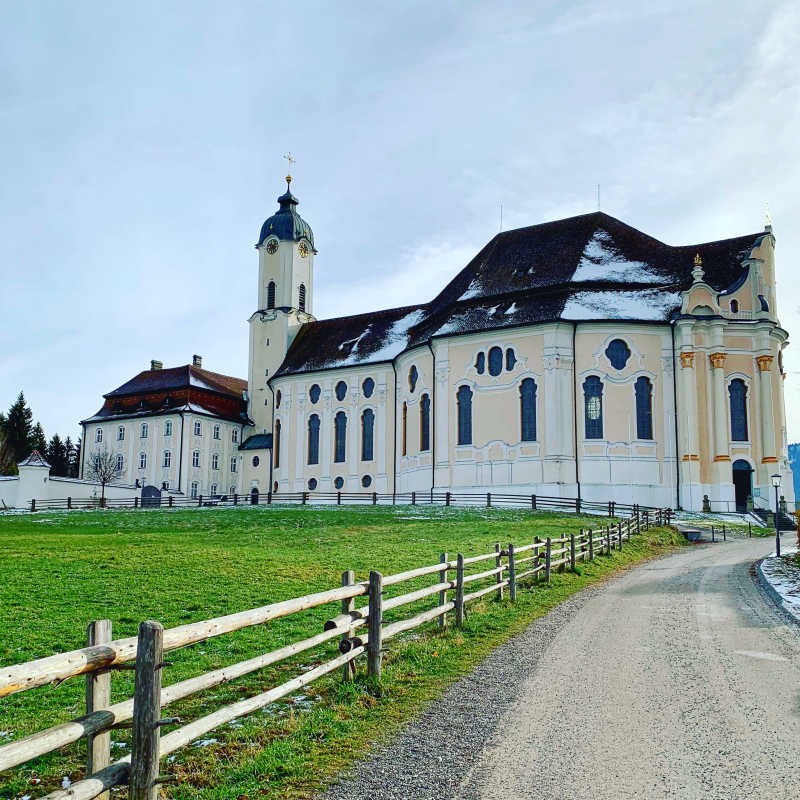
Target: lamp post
point(776, 482)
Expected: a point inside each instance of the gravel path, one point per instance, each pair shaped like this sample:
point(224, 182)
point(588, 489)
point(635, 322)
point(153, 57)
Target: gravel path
point(675, 680)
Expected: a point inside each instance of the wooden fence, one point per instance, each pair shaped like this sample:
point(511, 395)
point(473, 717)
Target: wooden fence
point(429, 497)
point(456, 586)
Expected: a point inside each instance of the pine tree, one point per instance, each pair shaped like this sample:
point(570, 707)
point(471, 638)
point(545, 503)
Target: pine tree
point(18, 429)
point(74, 457)
point(7, 465)
point(38, 440)
point(57, 457)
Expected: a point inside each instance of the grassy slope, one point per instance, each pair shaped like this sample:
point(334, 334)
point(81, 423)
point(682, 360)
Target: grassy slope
point(65, 569)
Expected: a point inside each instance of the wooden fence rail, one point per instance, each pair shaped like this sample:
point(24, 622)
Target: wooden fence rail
point(512, 565)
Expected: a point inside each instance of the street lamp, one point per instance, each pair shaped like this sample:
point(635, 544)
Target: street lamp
point(776, 482)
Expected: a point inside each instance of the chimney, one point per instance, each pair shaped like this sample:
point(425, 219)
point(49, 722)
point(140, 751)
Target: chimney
point(154, 365)
point(197, 361)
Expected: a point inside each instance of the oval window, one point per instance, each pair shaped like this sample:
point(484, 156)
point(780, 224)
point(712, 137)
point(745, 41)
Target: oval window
point(480, 363)
point(338, 482)
point(256, 461)
point(511, 359)
point(341, 390)
point(312, 483)
point(366, 481)
point(313, 393)
point(618, 353)
point(413, 375)
point(368, 387)
point(495, 361)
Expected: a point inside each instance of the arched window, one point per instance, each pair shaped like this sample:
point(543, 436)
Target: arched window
point(271, 294)
point(480, 363)
point(368, 387)
point(301, 297)
point(734, 306)
point(404, 439)
point(464, 400)
point(340, 436)
point(278, 397)
point(495, 361)
point(527, 410)
point(367, 428)
point(511, 359)
point(276, 444)
point(313, 393)
point(644, 408)
point(412, 378)
point(738, 393)
point(618, 353)
point(593, 407)
point(425, 423)
point(341, 390)
point(313, 439)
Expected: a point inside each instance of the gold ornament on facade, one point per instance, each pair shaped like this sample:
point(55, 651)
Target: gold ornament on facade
point(698, 262)
point(717, 360)
point(764, 363)
point(687, 360)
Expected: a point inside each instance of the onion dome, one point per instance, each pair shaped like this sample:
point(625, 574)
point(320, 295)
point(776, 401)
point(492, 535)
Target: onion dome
point(286, 223)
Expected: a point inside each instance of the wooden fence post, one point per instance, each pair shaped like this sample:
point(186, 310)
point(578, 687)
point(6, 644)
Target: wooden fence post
point(549, 546)
point(620, 535)
point(443, 593)
point(374, 498)
point(348, 606)
point(413, 498)
point(609, 509)
point(488, 499)
point(69, 502)
point(459, 590)
point(608, 540)
point(235, 499)
point(591, 544)
point(498, 560)
point(447, 498)
point(199, 500)
point(533, 502)
point(147, 713)
point(374, 624)
point(338, 498)
point(33, 505)
point(169, 501)
point(136, 501)
point(98, 697)
point(572, 551)
point(512, 573)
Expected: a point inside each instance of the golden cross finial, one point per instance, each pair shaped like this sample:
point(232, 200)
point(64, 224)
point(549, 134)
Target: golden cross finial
point(290, 161)
point(698, 262)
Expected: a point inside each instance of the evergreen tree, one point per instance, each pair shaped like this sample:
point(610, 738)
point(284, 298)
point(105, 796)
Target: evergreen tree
point(7, 465)
point(73, 457)
point(18, 429)
point(57, 456)
point(38, 440)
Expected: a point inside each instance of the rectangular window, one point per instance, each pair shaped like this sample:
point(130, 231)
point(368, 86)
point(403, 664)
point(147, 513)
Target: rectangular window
point(235, 436)
point(167, 458)
point(121, 433)
point(213, 489)
point(233, 464)
point(198, 429)
point(464, 403)
point(98, 436)
point(340, 436)
point(215, 461)
point(142, 460)
point(194, 490)
point(196, 458)
point(120, 463)
point(216, 431)
point(168, 428)
point(277, 443)
point(425, 423)
point(144, 431)
point(593, 407)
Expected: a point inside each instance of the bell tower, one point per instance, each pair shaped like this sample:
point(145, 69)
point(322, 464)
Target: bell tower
point(285, 299)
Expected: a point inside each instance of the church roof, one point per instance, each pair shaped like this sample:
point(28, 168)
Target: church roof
point(286, 223)
point(159, 380)
point(589, 267)
point(35, 459)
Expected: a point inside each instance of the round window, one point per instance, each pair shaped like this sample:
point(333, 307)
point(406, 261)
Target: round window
point(313, 393)
point(256, 461)
point(366, 481)
point(368, 387)
point(339, 482)
point(341, 390)
point(312, 484)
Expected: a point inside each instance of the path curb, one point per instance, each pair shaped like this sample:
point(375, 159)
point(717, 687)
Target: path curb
point(773, 593)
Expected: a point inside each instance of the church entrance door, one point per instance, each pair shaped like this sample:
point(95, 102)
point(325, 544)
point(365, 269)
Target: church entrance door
point(742, 483)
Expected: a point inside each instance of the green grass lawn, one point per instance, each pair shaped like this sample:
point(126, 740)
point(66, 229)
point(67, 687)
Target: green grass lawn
point(62, 570)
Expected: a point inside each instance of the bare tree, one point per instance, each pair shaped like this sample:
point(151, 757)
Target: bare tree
point(101, 466)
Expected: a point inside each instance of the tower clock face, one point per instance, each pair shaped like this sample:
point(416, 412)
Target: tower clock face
point(272, 246)
point(302, 249)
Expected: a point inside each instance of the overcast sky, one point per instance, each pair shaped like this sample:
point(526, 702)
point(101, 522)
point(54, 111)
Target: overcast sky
point(141, 151)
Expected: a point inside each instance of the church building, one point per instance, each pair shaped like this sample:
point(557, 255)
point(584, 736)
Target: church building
point(575, 358)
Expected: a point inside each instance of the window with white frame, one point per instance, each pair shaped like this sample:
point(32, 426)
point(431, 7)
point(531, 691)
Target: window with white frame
point(120, 462)
point(215, 461)
point(213, 489)
point(168, 428)
point(235, 436)
point(121, 433)
point(194, 490)
point(198, 428)
point(142, 460)
point(167, 458)
point(144, 431)
point(233, 464)
point(98, 435)
point(195, 458)
point(216, 431)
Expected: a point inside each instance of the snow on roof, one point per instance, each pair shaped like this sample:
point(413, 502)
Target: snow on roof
point(646, 304)
point(602, 260)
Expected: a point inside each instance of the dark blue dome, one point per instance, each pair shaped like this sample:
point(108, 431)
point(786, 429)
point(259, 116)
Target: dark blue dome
point(286, 223)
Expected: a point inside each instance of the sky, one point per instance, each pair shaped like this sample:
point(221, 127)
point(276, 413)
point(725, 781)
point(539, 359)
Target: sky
point(141, 150)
